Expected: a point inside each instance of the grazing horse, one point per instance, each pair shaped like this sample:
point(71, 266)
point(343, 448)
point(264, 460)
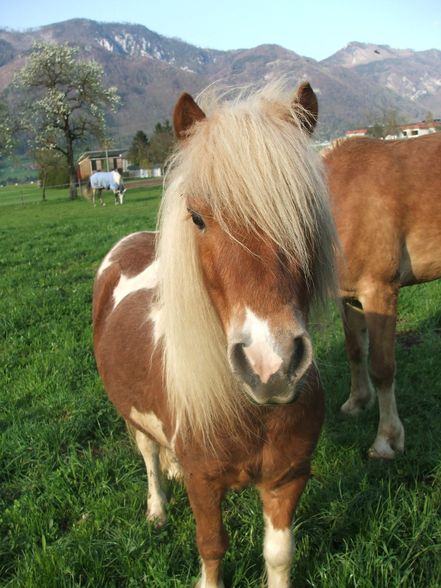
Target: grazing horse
point(386, 198)
point(100, 181)
point(200, 330)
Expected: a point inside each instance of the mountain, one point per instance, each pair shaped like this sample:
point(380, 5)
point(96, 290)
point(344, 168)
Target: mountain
point(416, 76)
point(354, 85)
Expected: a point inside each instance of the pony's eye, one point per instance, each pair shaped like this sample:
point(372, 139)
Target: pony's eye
point(198, 220)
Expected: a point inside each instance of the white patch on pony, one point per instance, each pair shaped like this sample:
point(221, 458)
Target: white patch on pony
point(205, 583)
point(147, 279)
point(156, 317)
point(260, 352)
point(156, 499)
point(150, 423)
point(390, 435)
point(278, 549)
point(107, 261)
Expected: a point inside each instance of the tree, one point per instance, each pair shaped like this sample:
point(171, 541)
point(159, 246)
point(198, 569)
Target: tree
point(6, 131)
point(64, 100)
point(377, 131)
point(161, 142)
point(390, 124)
point(52, 168)
point(138, 153)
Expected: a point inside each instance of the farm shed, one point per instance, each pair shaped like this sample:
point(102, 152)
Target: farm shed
point(105, 160)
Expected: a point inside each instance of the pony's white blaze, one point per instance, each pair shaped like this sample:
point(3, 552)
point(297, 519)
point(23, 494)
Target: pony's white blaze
point(147, 279)
point(261, 351)
point(152, 424)
point(278, 549)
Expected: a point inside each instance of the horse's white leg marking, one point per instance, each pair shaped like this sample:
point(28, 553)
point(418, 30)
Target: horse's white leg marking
point(390, 435)
point(204, 582)
point(278, 549)
point(151, 423)
point(148, 278)
point(362, 393)
point(156, 499)
point(260, 351)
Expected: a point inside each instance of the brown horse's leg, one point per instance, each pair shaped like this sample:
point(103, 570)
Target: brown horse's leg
point(356, 337)
point(156, 500)
point(279, 505)
point(380, 307)
point(211, 537)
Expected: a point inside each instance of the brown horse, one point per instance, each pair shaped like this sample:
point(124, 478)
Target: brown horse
point(200, 329)
point(387, 207)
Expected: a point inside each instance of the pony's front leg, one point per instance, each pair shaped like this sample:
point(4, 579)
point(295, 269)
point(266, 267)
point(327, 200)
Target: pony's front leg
point(362, 393)
point(156, 499)
point(212, 541)
point(279, 505)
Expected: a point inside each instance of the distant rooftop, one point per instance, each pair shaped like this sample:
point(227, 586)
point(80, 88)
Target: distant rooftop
point(102, 154)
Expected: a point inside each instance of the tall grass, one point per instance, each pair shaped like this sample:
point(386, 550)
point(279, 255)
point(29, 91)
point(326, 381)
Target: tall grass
point(73, 489)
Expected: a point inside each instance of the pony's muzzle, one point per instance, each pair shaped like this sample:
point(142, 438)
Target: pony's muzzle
point(271, 378)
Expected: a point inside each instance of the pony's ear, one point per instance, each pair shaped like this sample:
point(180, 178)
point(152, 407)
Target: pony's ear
point(186, 114)
point(306, 106)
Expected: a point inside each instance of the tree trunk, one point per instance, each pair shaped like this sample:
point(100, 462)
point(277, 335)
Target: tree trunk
point(44, 186)
point(71, 169)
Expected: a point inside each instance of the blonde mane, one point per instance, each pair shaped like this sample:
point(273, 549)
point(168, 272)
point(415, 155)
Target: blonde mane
point(252, 163)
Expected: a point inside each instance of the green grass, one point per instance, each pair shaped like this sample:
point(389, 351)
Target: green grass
point(73, 489)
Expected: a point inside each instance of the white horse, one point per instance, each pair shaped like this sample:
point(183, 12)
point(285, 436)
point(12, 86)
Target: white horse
point(100, 181)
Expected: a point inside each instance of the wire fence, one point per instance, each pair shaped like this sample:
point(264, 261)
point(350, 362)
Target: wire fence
point(33, 192)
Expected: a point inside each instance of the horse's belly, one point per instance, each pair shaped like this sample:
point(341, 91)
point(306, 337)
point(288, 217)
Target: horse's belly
point(421, 258)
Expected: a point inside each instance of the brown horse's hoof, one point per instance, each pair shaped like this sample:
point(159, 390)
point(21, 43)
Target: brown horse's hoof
point(354, 407)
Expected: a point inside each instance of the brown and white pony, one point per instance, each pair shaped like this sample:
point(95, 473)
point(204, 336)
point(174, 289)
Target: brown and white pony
point(387, 207)
point(200, 330)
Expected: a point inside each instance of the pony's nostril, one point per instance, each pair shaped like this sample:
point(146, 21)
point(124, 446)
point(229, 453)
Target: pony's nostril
point(299, 355)
point(241, 364)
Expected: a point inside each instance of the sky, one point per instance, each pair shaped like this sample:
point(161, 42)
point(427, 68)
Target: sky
point(312, 28)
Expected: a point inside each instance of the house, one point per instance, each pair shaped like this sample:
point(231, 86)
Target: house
point(420, 128)
point(155, 170)
point(356, 133)
point(104, 160)
point(407, 131)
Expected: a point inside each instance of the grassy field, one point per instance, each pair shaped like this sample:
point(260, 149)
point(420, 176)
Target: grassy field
point(73, 489)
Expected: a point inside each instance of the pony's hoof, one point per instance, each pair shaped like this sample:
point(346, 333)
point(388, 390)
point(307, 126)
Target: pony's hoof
point(355, 407)
point(388, 443)
point(201, 583)
point(158, 519)
point(386, 452)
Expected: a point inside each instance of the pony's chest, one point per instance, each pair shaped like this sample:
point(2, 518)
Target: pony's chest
point(267, 463)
